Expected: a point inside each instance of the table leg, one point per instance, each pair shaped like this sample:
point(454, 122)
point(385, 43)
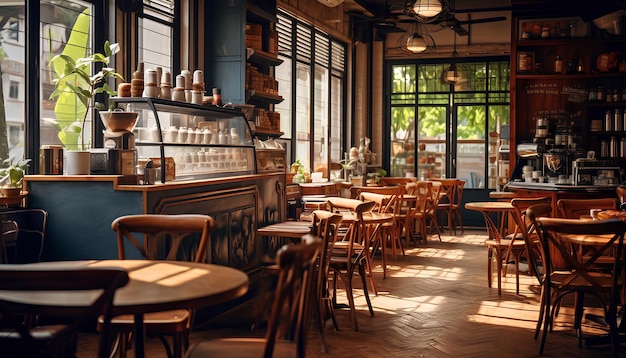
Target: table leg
point(139, 336)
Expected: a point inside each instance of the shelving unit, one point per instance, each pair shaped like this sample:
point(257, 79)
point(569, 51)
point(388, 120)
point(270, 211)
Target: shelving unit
point(589, 63)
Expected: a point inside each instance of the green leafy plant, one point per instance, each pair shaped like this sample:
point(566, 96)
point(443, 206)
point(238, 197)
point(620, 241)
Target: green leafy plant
point(75, 87)
point(377, 175)
point(13, 175)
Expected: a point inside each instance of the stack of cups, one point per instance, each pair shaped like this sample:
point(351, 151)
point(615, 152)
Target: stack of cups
point(527, 173)
point(150, 84)
point(198, 87)
point(166, 85)
point(187, 75)
point(179, 90)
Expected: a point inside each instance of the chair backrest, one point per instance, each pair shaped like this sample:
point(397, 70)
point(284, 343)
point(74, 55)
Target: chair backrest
point(21, 286)
point(401, 181)
point(519, 213)
point(291, 307)
point(558, 238)
point(576, 208)
point(23, 233)
point(453, 190)
point(170, 237)
point(526, 220)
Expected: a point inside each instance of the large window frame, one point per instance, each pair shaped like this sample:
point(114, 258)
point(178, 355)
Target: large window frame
point(313, 81)
point(420, 101)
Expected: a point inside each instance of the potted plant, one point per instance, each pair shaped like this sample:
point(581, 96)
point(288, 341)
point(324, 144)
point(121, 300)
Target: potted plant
point(75, 89)
point(12, 177)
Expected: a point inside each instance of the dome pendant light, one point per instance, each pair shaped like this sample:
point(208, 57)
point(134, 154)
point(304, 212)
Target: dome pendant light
point(427, 8)
point(416, 43)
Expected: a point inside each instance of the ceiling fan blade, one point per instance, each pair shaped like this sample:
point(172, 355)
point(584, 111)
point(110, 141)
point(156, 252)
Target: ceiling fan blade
point(455, 25)
point(482, 21)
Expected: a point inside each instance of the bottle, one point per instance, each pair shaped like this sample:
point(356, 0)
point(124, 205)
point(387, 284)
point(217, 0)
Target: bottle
point(617, 120)
point(614, 147)
point(608, 121)
point(558, 65)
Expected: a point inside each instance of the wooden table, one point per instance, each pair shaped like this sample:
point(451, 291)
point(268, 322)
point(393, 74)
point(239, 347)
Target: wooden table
point(154, 286)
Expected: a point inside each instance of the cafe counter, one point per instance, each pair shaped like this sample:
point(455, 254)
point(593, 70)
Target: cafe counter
point(561, 191)
point(82, 208)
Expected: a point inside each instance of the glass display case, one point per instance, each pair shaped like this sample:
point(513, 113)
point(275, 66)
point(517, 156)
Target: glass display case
point(194, 141)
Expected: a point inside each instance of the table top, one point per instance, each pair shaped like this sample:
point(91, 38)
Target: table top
point(154, 285)
point(489, 206)
point(502, 195)
point(288, 229)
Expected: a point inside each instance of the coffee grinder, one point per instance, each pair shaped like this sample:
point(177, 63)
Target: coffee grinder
point(119, 155)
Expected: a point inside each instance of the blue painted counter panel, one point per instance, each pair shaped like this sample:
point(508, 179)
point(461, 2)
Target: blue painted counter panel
point(80, 216)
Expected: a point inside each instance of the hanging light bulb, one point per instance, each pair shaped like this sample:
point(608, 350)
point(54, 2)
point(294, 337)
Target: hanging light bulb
point(427, 8)
point(416, 43)
point(452, 75)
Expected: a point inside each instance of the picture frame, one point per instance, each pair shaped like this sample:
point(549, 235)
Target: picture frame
point(525, 61)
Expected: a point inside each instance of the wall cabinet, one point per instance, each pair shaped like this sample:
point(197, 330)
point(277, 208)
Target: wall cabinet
point(242, 63)
point(199, 141)
point(566, 76)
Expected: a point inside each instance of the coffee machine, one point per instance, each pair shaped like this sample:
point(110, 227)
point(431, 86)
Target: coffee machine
point(119, 155)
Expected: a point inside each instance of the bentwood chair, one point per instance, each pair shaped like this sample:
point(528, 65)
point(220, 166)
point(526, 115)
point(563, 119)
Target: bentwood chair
point(577, 208)
point(165, 237)
point(390, 202)
point(290, 316)
point(568, 273)
point(21, 338)
point(450, 204)
point(350, 254)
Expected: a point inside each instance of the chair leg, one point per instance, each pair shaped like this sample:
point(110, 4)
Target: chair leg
point(367, 296)
point(547, 323)
point(489, 265)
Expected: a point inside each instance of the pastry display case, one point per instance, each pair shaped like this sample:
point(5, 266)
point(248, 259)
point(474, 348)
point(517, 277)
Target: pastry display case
point(194, 141)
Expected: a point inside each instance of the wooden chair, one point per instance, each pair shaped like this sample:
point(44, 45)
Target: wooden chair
point(450, 204)
point(165, 237)
point(431, 207)
point(350, 255)
point(567, 273)
point(577, 208)
point(498, 250)
point(290, 310)
point(23, 233)
point(522, 227)
point(387, 201)
point(326, 226)
point(19, 338)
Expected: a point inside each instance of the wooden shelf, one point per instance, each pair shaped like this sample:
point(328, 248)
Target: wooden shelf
point(264, 97)
point(266, 132)
point(262, 57)
point(568, 76)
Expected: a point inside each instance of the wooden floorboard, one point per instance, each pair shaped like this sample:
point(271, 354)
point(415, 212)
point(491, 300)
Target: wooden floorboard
point(434, 303)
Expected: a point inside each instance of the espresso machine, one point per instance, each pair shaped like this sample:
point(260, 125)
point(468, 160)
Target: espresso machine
point(119, 155)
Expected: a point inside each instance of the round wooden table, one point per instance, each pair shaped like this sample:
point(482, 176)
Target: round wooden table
point(612, 214)
point(154, 286)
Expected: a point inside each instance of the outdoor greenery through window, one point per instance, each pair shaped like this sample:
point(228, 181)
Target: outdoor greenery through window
point(440, 130)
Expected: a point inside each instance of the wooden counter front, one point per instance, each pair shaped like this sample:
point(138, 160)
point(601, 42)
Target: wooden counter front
point(556, 192)
point(81, 209)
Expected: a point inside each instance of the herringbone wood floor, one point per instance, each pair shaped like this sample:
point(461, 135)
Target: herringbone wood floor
point(434, 303)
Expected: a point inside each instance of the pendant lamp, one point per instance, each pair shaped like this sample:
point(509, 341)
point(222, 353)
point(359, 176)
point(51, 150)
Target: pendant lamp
point(427, 8)
point(452, 75)
point(416, 43)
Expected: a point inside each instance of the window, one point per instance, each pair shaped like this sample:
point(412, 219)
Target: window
point(312, 82)
point(452, 130)
point(156, 35)
point(14, 30)
point(14, 90)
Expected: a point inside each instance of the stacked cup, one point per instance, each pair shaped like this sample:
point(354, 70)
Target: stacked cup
point(179, 90)
point(150, 84)
point(166, 85)
point(187, 75)
point(198, 87)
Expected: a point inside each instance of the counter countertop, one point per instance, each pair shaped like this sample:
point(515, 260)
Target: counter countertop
point(561, 187)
